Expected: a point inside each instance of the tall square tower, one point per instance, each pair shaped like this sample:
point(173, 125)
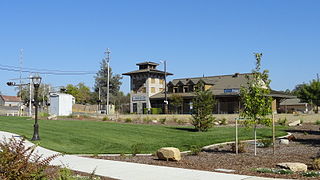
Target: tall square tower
point(145, 82)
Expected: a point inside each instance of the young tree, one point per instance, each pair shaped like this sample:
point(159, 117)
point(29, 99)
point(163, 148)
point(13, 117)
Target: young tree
point(176, 101)
point(255, 99)
point(42, 95)
point(80, 92)
point(101, 82)
point(203, 105)
point(310, 93)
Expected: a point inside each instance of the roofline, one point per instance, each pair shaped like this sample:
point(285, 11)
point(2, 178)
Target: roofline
point(160, 72)
point(147, 62)
point(212, 76)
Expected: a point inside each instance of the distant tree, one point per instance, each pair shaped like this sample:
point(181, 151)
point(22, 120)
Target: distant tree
point(297, 89)
point(80, 92)
point(121, 102)
point(101, 82)
point(43, 94)
point(203, 105)
point(176, 101)
point(256, 103)
point(310, 93)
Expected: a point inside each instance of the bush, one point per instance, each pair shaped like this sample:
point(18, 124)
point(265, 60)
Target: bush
point(318, 122)
point(242, 147)
point(316, 164)
point(310, 174)
point(19, 163)
point(106, 118)
point(136, 148)
point(163, 120)
point(224, 121)
point(156, 110)
point(275, 171)
point(265, 142)
point(283, 122)
point(128, 120)
point(44, 114)
point(147, 120)
point(195, 150)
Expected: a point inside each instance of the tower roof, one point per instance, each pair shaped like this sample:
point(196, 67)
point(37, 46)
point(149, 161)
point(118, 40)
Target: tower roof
point(148, 63)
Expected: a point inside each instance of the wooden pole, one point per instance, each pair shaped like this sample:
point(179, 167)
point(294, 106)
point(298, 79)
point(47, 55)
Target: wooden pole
point(237, 148)
point(273, 134)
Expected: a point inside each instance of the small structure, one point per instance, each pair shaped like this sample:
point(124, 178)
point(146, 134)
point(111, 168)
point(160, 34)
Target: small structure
point(294, 105)
point(10, 100)
point(61, 104)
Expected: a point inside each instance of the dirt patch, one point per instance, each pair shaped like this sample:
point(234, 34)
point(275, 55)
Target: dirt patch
point(304, 149)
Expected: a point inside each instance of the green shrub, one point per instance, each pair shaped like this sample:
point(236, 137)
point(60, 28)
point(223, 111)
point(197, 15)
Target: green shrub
point(318, 122)
point(242, 147)
point(128, 120)
point(19, 163)
point(163, 120)
point(224, 121)
point(274, 171)
point(136, 148)
point(311, 174)
point(156, 110)
point(316, 163)
point(106, 118)
point(175, 119)
point(44, 114)
point(147, 120)
point(283, 122)
point(180, 122)
point(266, 142)
point(195, 150)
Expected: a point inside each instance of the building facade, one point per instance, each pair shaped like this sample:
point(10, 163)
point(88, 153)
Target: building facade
point(10, 101)
point(144, 83)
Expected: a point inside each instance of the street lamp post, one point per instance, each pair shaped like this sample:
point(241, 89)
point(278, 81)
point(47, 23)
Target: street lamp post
point(36, 80)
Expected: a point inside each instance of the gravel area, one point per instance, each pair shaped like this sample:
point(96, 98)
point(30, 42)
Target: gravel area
point(304, 149)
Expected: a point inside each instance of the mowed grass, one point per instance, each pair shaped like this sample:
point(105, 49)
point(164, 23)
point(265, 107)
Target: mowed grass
point(97, 137)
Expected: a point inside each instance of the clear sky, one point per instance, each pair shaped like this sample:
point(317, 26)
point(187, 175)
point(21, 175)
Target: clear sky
point(196, 37)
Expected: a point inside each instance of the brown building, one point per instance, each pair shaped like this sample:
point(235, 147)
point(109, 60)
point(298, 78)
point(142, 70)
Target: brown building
point(147, 90)
point(10, 100)
point(225, 88)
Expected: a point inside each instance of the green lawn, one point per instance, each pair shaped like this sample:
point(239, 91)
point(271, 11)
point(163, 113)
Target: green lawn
point(80, 137)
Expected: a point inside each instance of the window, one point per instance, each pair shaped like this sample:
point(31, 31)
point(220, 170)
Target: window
point(161, 81)
point(153, 90)
point(153, 80)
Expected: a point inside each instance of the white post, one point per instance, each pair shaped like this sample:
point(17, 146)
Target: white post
point(255, 139)
point(237, 148)
point(108, 79)
point(30, 97)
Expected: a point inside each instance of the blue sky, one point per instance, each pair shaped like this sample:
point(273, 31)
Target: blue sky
point(195, 37)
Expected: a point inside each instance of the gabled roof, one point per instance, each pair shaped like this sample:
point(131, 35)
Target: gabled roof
point(10, 98)
point(292, 102)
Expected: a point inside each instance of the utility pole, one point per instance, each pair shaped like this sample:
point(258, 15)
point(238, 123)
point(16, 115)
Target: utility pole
point(108, 78)
point(20, 80)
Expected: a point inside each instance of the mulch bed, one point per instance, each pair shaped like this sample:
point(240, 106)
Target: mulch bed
point(304, 149)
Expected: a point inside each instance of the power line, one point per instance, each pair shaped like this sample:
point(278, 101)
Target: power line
point(42, 70)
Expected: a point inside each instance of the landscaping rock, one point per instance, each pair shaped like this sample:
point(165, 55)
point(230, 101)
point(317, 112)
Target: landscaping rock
point(295, 167)
point(295, 123)
point(291, 138)
point(284, 141)
point(52, 117)
point(169, 153)
point(154, 121)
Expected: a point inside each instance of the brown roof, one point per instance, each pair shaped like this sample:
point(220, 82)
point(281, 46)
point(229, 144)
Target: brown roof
point(11, 98)
point(224, 85)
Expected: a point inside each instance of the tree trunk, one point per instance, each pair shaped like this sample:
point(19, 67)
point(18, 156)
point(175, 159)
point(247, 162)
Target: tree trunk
point(255, 140)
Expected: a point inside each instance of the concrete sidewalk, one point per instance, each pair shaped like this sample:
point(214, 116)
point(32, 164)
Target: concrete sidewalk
point(129, 171)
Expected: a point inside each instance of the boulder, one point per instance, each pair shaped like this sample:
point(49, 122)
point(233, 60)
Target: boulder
point(52, 117)
point(295, 167)
point(169, 153)
point(295, 123)
point(284, 141)
point(291, 137)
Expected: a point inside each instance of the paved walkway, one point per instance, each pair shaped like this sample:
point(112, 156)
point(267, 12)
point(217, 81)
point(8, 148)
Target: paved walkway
point(130, 171)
